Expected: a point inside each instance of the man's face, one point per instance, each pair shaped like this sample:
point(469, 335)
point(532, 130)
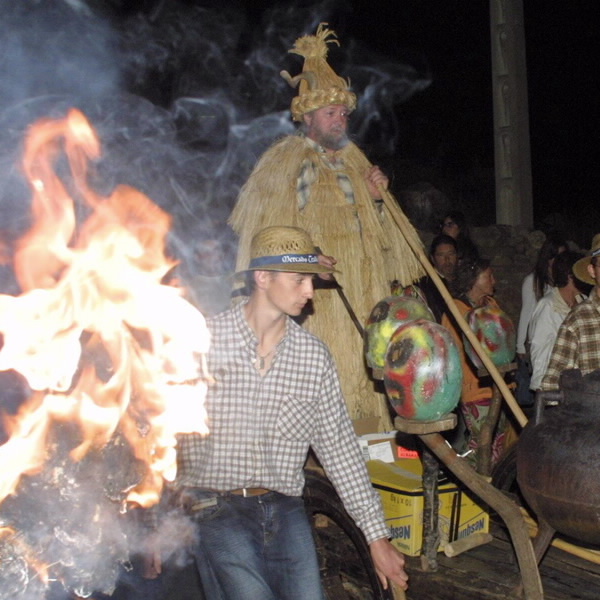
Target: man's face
point(445, 260)
point(328, 126)
point(289, 292)
point(594, 272)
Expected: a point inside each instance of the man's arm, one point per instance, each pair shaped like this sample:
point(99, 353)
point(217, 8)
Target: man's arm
point(337, 448)
point(542, 335)
point(527, 305)
point(564, 356)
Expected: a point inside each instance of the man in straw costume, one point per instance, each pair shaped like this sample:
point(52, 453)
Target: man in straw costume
point(276, 393)
point(322, 182)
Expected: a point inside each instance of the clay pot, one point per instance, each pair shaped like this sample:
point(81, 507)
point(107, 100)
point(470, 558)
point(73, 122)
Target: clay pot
point(558, 459)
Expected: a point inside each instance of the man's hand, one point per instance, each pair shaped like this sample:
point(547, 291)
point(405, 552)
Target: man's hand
point(329, 262)
point(376, 179)
point(389, 563)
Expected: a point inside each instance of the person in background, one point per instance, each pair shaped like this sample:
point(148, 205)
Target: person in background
point(577, 343)
point(534, 286)
point(473, 286)
point(276, 393)
point(443, 255)
point(550, 312)
point(455, 225)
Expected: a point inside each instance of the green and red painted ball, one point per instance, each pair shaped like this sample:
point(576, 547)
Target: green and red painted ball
point(422, 373)
point(495, 332)
point(385, 318)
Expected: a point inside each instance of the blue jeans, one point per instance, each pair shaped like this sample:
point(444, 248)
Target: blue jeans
point(258, 548)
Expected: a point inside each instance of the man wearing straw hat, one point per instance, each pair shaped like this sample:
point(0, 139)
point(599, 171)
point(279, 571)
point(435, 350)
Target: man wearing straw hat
point(322, 182)
point(577, 344)
point(276, 393)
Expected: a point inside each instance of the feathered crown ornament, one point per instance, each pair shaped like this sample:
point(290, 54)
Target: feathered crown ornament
point(318, 84)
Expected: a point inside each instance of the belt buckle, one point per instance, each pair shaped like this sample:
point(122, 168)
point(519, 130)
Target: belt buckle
point(203, 503)
point(252, 492)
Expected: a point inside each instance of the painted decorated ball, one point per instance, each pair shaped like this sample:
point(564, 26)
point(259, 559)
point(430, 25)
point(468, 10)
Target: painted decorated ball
point(385, 318)
point(495, 332)
point(423, 372)
point(407, 290)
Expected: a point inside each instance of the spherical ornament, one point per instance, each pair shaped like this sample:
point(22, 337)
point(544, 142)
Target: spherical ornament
point(422, 373)
point(414, 291)
point(495, 332)
point(385, 318)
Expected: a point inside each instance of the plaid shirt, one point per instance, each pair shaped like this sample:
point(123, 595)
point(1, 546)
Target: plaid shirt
point(308, 175)
point(261, 427)
point(577, 344)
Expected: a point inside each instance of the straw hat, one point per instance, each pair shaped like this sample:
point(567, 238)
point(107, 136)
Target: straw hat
point(580, 268)
point(318, 84)
point(288, 249)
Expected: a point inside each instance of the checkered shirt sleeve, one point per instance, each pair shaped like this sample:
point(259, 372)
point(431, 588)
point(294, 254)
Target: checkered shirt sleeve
point(577, 344)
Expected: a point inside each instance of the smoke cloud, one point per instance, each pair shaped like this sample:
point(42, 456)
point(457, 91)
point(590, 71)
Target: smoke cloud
point(185, 97)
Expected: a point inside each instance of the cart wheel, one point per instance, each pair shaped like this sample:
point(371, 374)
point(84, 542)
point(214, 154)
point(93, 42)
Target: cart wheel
point(347, 571)
point(504, 475)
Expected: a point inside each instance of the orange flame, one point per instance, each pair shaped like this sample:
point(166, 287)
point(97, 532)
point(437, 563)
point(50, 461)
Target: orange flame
point(94, 290)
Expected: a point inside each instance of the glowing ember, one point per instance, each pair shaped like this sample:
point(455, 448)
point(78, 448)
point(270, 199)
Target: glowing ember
point(102, 342)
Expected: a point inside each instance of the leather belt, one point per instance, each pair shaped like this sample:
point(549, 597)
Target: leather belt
point(249, 492)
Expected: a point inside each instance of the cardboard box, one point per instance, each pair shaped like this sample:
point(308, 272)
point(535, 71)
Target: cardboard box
point(380, 445)
point(401, 489)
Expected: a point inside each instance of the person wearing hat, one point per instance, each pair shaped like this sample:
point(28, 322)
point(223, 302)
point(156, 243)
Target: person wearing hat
point(275, 394)
point(577, 343)
point(322, 182)
point(550, 312)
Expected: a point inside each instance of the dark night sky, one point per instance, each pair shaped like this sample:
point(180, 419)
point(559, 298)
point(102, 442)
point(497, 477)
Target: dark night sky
point(446, 128)
point(453, 116)
point(451, 120)
point(454, 39)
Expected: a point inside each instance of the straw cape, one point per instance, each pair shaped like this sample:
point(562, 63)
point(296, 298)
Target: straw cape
point(363, 236)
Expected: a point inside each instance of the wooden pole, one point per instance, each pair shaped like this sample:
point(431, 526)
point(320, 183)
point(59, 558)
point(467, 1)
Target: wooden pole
point(408, 232)
point(397, 592)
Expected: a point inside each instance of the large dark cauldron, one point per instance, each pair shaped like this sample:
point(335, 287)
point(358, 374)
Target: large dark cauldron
point(558, 458)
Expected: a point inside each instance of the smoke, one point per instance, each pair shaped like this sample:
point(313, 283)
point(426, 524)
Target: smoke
point(185, 97)
point(50, 47)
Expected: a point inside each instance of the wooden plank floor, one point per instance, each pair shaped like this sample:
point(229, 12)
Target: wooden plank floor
point(489, 572)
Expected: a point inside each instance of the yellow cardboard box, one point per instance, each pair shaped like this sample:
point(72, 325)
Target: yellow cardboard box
point(400, 486)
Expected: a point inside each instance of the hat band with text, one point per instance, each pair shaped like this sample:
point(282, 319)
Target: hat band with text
point(284, 259)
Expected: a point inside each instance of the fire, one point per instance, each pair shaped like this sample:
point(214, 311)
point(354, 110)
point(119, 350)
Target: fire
point(101, 341)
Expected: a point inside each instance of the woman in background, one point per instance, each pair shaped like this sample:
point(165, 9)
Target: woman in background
point(473, 286)
point(455, 225)
point(534, 286)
